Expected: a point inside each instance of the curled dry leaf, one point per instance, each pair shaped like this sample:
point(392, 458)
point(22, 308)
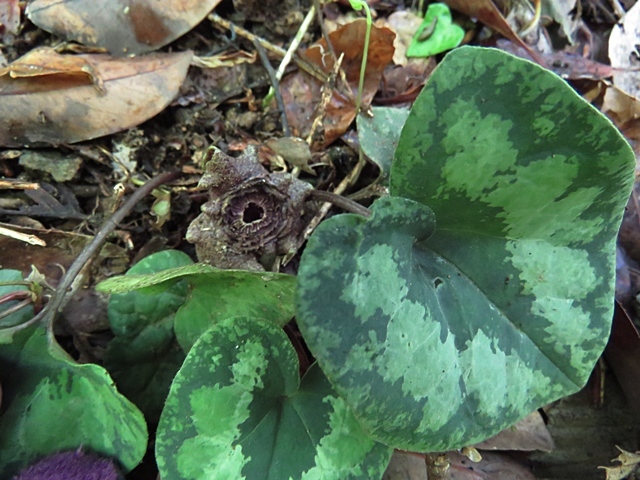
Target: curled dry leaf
point(302, 93)
point(487, 12)
point(123, 27)
point(65, 107)
point(45, 61)
point(251, 216)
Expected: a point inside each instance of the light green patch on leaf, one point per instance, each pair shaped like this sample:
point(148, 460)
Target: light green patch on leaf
point(223, 294)
point(436, 34)
point(53, 404)
point(440, 332)
point(129, 282)
point(237, 410)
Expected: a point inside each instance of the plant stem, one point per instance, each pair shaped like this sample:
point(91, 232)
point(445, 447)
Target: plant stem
point(67, 284)
point(359, 5)
point(340, 201)
point(437, 466)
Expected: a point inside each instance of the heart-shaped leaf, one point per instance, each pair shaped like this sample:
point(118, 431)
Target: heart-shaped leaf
point(442, 336)
point(436, 34)
point(236, 409)
point(54, 404)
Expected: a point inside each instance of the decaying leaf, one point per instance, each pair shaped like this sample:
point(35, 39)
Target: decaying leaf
point(628, 463)
point(302, 93)
point(9, 16)
point(487, 12)
point(46, 61)
point(623, 52)
point(252, 215)
point(65, 107)
point(123, 27)
point(528, 434)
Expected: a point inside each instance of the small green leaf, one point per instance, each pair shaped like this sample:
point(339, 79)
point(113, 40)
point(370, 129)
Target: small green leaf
point(52, 404)
point(436, 34)
point(440, 334)
point(236, 411)
point(379, 135)
point(223, 294)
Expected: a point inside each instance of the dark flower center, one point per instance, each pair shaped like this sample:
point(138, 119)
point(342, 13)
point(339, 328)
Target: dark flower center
point(252, 213)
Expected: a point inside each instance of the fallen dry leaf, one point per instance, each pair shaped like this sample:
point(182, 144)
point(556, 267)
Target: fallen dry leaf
point(623, 354)
point(404, 24)
point(62, 108)
point(528, 434)
point(628, 463)
point(301, 92)
point(619, 105)
point(9, 16)
point(46, 61)
point(493, 466)
point(623, 53)
point(487, 12)
point(123, 27)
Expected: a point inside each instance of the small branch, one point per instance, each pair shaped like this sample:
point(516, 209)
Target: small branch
point(340, 201)
point(49, 312)
point(308, 67)
point(275, 86)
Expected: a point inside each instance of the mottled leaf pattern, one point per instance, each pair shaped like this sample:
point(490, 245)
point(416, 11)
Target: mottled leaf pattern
point(54, 404)
point(441, 332)
point(236, 411)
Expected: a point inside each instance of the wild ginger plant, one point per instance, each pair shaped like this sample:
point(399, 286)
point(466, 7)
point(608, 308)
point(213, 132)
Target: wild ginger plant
point(478, 291)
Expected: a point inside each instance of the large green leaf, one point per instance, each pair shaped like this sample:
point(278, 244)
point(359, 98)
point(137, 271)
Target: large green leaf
point(54, 404)
point(440, 334)
point(236, 410)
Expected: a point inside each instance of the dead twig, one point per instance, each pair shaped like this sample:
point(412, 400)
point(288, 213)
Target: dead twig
point(308, 67)
point(61, 296)
point(340, 201)
point(275, 85)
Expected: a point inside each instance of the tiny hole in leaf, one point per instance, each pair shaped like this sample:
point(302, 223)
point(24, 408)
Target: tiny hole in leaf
point(252, 212)
point(437, 282)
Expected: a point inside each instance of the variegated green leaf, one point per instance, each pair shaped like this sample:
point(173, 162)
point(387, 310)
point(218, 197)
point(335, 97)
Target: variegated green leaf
point(440, 334)
point(236, 411)
point(50, 404)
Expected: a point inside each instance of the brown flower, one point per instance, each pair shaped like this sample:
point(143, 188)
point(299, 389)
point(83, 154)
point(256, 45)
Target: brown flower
point(252, 215)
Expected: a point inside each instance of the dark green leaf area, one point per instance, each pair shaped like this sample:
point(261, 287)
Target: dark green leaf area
point(379, 135)
point(144, 355)
point(130, 313)
point(528, 183)
point(236, 409)
point(53, 404)
point(20, 316)
point(499, 146)
point(424, 358)
point(223, 294)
